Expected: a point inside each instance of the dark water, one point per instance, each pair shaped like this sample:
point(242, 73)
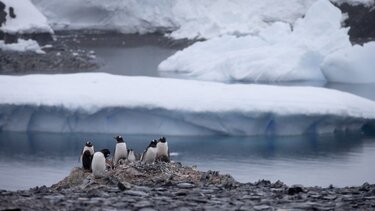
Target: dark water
point(31, 159)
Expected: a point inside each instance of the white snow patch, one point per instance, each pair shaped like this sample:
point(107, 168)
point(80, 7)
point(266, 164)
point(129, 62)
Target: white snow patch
point(277, 53)
point(351, 65)
point(28, 18)
point(98, 102)
point(22, 46)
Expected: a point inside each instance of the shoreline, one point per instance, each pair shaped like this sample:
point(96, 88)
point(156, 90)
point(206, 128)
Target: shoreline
point(166, 186)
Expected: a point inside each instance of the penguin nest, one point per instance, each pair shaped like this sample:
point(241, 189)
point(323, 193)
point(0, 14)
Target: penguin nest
point(156, 174)
point(137, 173)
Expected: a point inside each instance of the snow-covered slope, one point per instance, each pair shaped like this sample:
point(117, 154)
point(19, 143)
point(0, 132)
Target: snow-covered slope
point(277, 53)
point(186, 18)
point(97, 102)
point(28, 19)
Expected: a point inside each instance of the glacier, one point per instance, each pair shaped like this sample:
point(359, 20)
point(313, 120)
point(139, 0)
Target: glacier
point(278, 53)
point(104, 103)
point(182, 18)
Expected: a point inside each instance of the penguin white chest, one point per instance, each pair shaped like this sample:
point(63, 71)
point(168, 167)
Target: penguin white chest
point(131, 156)
point(150, 155)
point(162, 149)
point(120, 152)
point(90, 149)
point(98, 165)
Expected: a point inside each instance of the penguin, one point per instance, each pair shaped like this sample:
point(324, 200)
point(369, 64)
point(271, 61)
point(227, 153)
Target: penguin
point(120, 151)
point(86, 160)
point(131, 155)
point(149, 155)
point(162, 151)
point(98, 165)
point(88, 146)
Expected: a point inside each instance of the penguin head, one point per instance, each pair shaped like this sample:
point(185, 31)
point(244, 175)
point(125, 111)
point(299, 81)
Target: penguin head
point(105, 152)
point(119, 139)
point(153, 143)
point(88, 144)
point(162, 139)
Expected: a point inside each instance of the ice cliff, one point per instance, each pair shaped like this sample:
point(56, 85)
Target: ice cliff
point(106, 103)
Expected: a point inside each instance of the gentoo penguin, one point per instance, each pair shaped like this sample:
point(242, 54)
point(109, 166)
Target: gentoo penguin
point(120, 151)
point(131, 155)
point(88, 146)
point(86, 160)
point(162, 151)
point(98, 164)
point(149, 155)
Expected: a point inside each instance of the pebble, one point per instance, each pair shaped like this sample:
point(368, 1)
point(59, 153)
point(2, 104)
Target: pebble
point(136, 193)
point(183, 195)
point(185, 185)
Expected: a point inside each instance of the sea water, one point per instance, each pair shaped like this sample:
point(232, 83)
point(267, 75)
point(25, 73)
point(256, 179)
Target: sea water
point(35, 159)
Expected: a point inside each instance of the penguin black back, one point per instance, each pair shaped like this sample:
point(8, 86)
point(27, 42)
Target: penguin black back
point(153, 143)
point(86, 160)
point(105, 152)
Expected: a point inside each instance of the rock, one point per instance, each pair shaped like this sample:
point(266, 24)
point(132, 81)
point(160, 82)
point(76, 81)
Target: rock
point(295, 190)
point(136, 193)
point(122, 187)
point(185, 185)
point(261, 207)
point(142, 204)
point(187, 192)
point(361, 20)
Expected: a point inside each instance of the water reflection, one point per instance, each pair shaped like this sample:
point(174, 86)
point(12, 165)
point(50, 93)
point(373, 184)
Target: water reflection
point(29, 159)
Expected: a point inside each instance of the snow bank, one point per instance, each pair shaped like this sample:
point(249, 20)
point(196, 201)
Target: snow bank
point(185, 18)
point(22, 46)
point(277, 53)
point(98, 102)
point(351, 65)
point(28, 19)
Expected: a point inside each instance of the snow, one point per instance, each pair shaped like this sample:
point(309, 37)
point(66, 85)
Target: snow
point(22, 46)
point(278, 53)
point(99, 102)
point(184, 18)
point(351, 65)
point(28, 18)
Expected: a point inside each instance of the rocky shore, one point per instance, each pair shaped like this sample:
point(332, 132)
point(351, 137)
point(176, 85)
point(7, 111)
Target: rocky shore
point(171, 186)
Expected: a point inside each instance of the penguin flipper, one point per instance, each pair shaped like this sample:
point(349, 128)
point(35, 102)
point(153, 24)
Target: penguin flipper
point(143, 155)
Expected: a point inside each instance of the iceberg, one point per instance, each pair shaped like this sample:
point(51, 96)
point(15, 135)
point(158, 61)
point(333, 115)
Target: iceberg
point(99, 102)
point(351, 65)
point(278, 53)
